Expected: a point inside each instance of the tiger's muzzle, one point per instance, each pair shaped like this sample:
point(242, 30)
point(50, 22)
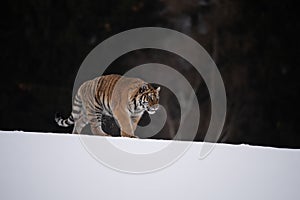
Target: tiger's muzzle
point(151, 110)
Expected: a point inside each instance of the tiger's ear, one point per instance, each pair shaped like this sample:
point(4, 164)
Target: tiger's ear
point(158, 89)
point(143, 88)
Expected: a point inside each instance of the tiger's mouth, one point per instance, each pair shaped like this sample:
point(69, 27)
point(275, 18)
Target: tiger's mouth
point(152, 110)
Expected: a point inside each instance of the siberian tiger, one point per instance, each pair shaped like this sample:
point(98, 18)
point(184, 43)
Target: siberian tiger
point(125, 99)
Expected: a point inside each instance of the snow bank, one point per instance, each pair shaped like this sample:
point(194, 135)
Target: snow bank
point(45, 166)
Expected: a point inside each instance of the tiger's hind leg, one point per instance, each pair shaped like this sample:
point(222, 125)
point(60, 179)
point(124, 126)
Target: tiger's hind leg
point(78, 113)
point(97, 130)
point(79, 125)
point(94, 119)
point(96, 127)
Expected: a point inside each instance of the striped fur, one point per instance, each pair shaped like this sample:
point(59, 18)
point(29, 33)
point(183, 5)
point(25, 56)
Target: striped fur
point(125, 99)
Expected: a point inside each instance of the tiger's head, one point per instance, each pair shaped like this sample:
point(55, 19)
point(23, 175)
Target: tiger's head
point(147, 99)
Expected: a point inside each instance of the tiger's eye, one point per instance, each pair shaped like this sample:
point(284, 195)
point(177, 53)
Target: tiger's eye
point(150, 96)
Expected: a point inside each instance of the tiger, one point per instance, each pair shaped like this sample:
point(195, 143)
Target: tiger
point(125, 99)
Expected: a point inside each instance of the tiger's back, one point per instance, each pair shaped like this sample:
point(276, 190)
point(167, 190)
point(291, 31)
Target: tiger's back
point(97, 93)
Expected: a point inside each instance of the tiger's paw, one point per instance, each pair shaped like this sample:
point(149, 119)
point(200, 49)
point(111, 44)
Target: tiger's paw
point(123, 134)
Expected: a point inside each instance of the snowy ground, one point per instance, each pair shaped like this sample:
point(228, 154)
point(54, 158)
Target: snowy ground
point(37, 166)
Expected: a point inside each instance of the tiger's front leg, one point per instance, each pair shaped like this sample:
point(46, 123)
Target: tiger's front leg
point(135, 120)
point(125, 123)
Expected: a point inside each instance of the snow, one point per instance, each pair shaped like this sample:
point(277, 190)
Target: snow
point(45, 166)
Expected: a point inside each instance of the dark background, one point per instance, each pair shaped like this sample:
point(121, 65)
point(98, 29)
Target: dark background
point(254, 44)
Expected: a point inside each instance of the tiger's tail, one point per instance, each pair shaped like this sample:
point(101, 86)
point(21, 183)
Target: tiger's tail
point(76, 112)
point(64, 122)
